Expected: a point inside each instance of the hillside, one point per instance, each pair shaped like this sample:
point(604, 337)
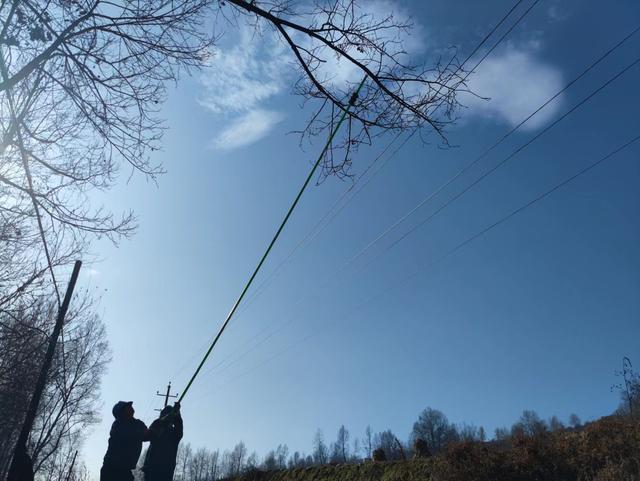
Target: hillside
point(605, 450)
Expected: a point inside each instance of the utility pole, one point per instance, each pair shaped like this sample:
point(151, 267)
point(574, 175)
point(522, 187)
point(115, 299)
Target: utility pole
point(166, 396)
point(73, 462)
point(20, 458)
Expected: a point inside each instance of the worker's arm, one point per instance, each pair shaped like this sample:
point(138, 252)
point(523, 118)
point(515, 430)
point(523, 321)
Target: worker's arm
point(153, 432)
point(177, 421)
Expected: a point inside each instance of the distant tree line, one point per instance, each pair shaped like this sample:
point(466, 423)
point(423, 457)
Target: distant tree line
point(431, 434)
point(432, 427)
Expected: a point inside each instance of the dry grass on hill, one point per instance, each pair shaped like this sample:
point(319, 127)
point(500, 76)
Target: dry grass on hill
point(606, 450)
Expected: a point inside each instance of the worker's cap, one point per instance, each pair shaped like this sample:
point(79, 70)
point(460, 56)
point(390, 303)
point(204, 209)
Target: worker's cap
point(166, 411)
point(119, 407)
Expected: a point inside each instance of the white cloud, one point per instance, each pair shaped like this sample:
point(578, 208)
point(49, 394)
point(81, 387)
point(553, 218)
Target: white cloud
point(239, 80)
point(252, 67)
point(517, 83)
point(241, 77)
point(249, 128)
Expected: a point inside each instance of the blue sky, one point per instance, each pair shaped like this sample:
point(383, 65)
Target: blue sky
point(536, 314)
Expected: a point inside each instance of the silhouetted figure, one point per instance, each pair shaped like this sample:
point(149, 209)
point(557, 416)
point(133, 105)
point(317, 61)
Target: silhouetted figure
point(21, 467)
point(165, 435)
point(125, 444)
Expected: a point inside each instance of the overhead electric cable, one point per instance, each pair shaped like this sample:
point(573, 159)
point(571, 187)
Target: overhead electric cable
point(234, 358)
point(488, 52)
point(352, 101)
point(447, 254)
point(466, 168)
point(493, 47)
point(538, 198)
point(319, 227)
point(260, 289)
point(492, 31)
point(487, 36)
point(313, 233)
point(501, 39)
point(508, 158)
point(457, 175)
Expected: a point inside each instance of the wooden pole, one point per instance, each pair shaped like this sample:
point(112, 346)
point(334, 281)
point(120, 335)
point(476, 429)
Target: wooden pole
point(166, 396)
point(20, 451)
point(73, 462)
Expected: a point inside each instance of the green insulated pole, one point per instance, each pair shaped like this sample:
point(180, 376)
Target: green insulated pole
point(273, 241)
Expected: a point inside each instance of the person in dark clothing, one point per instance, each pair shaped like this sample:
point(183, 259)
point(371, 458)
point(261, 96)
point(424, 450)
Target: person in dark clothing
point(165, 435)
point(125, 444)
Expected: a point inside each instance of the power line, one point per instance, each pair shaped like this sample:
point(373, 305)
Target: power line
point(229, 360)
point(447, 254)
point(307, 239)
point(473, 52)
point(457, 175)
point(476, 65)
point(275, 237)
point(501, 39)
point(539, 197)
point(492, 31)
point(491, 49)
point(508, 158)
point(263, 286)
point(318, 228)
point(466, 168)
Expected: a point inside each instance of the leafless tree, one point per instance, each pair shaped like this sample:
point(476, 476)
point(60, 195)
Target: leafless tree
point(270, 462)
point(282, 454)
point(183, 461)
point(355, 453)
point(214, 465)
point(574, 420)
point(237, 459)
point(70, 398)
point(555, 424)
point(434, 427)
point(367, 441)
point(198, 468)
point(470, 432)
point(298, 460)
point(320, 451)
point(397, 95)
point(22, 343)
point(82, 81)
point(80, 85)
point(501, 434)
point(388, 443)
point(529, 425)
point(252, 461)
point(342, 444)
point(629, 389)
